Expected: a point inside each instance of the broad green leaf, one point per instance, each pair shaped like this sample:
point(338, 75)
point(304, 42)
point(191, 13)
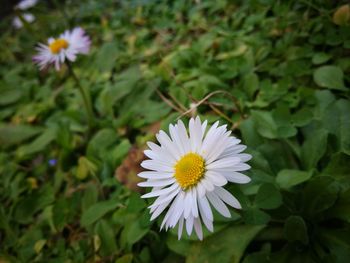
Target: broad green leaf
point(268, 197)
point(338, 243)
point(125, 259)
point(106, 57)
point(133, 231)
point(295, 230)
point(39, 144)
point(34, 202)
point(254, 216)
point(227, 245)
point(8, 96)
point(329, 77)
point(90, 197)
point(100, 143)
point(251, 84)
point(288, 178)
point(314, 148)
point(107, 236)
point(336, 120)
point(319, 194)
point(341, 208)
point(13, 134)
point(182, 248)
point(320, 58)
point(96, 211)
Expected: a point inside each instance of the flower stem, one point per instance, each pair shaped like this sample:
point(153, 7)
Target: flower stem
point(85, 96)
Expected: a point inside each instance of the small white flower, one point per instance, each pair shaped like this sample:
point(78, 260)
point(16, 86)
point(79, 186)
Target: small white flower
point(26, 4)
point(188, 171)
point(67, 46)
point(28, 17)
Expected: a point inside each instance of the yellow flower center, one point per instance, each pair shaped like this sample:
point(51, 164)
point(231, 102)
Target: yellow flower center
point(189, 170)
point(57, 45)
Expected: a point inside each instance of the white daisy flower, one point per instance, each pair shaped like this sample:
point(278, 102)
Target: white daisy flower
point(66, 46)
point(28, 17)
point(188, 171)
point(26, 4)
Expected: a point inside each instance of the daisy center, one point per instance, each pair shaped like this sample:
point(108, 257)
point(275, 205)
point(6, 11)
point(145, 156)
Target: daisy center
point(57, 45)
point(189, 170)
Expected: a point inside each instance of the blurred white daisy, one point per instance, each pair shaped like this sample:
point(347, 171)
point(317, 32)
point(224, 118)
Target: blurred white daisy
point(17, 22)
point(67, 46)
point(188, 171)
point(26, 4)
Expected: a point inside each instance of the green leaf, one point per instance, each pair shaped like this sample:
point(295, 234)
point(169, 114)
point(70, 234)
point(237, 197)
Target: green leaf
point(320, 58)
point(314, 148)
point(96, 211)
point(90, 197)
point(227, 245)
point(107, 236)
point(125, 259)
point(295, 230)
point(100, 143)
point(106, 57)
point(39, 144)
point(273, 125)
point(268, 197)
point(181, 248)
point(85, 168)
point(341, 208)
point(134, 230)
point(288, 178)
point(329, 77)
point(124, 84)
point(254, 216)
point(33, 203)
point(338, 243)
point(319, 195)
point(8, 96)
point(336, 119)
point(251, 84)
point(13, 134)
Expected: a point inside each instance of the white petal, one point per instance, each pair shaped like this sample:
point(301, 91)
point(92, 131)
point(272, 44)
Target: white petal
point(245, 157)
point(189, 225)
point(183, 136)
point(157, 183)
point(165, 141)
point(224, 163)
point(208, 223)
point(204, 208)
point(216, 178)
point(159, 210)
point(179, 231)
point(218, 204)
point(187, 204)
point(178, 209)
point(198, 228)
point(227, 197)
point(236, 177)
point(175, 136)
point(208, 185)
point(161, 192)
point(156, 166)
point(155, 175)
point(194, 203)
point(200, 189)
point(162, 199)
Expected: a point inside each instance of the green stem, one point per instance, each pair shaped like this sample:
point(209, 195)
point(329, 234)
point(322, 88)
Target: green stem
point(85, 96)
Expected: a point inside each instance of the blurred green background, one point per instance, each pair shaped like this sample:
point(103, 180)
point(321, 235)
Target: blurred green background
point(277, 72)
